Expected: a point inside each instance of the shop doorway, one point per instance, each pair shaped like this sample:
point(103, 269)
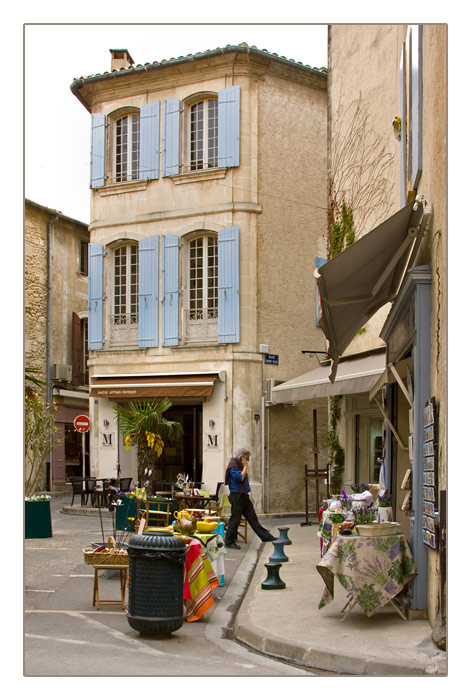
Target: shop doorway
point(369, 441)
point(73, 452)
point(186, 455)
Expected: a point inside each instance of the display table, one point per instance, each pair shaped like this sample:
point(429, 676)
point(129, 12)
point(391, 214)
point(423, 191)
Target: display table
point(373, 570)
point(200, 580)
point(213, 542)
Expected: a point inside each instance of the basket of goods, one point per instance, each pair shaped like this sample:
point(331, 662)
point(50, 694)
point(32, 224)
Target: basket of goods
point(346, 528)
point(186, 522)
point(106, 555)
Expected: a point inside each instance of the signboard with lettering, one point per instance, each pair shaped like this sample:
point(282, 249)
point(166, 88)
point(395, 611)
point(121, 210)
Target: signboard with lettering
point(271, 359)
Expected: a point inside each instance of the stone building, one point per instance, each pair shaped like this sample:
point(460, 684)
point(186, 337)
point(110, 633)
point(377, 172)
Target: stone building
point(384, 299)
point(55, 326)
point(208, 210)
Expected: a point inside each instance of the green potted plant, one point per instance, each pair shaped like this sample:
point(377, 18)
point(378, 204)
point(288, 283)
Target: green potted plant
point(144, 424)
point(39, 440)
point(38, 522)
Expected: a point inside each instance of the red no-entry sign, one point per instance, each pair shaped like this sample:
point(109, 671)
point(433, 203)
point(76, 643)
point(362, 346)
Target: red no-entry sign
point(82, 424)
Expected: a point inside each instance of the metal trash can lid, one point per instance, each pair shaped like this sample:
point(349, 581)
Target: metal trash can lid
point(160, 541)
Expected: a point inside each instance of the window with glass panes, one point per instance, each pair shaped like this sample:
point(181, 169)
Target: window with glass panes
point(127, 148)
point(204, 135)
point(126, 285)
point(203, 278)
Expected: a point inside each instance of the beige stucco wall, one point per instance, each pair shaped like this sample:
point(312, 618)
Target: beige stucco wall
point(277, 197)
point(364, 60)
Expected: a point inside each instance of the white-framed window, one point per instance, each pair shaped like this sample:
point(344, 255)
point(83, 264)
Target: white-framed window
point(201, 312)
point(125, 300)
point(126, 147)
point(203, 134)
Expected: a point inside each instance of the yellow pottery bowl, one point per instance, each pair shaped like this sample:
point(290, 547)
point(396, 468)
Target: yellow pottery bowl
point(203, 526)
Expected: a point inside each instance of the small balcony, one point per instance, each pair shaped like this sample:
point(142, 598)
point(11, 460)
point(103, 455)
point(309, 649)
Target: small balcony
point(200, 326)
point(124, 330)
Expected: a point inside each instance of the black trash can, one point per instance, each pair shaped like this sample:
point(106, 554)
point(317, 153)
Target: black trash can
point(156, 578)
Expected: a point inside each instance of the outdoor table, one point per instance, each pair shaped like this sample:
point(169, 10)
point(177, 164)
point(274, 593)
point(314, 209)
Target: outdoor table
point(193, 502)
point(200, 580)
point(373, 570)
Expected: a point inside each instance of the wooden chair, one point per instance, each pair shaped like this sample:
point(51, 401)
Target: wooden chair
point(155, 513)
point(226, 514)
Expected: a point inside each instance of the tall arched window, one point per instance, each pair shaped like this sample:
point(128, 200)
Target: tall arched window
point(126, 147)
point(202, 288)
point(126, 285)
point(203, 138)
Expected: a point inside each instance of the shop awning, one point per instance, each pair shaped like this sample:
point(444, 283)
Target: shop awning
point(355, 375)
point(400, 373)
point(147, 386)
point(361, 279)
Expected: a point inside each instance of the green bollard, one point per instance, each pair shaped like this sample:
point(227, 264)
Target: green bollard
point(273, 579)
point(284, 535)
point(278, 555)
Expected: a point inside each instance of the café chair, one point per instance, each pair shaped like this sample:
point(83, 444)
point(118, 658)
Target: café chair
point(78, 489)
point(226, 508)
point(125, 483)
point(89, 488)
point(155, 513)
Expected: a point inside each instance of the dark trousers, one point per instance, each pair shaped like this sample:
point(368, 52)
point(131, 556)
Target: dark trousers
point(241, 505)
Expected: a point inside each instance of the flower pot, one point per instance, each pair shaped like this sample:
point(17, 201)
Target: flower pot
point(385, 514)
point(38, 521)
point(128, 509)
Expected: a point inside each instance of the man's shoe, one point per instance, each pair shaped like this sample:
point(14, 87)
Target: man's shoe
point(232, 545)
point(270, 539)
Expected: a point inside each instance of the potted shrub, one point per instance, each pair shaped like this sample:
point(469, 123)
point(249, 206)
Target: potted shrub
point(38, 521)
point(39, 439)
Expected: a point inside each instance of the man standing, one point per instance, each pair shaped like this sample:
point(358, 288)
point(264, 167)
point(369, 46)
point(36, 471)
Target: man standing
point(241, 505)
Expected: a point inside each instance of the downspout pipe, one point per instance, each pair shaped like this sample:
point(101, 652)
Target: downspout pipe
point(49, 228)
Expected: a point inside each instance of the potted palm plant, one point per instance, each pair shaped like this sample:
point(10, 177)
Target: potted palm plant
point(143, 424)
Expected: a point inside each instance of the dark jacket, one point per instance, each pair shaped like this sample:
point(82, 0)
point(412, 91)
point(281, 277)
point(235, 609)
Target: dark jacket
point(233, 477)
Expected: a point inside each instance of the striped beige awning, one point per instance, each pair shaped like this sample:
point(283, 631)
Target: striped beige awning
point(147, 386)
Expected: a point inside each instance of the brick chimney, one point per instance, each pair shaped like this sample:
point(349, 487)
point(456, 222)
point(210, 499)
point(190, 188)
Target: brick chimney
point(120, 58)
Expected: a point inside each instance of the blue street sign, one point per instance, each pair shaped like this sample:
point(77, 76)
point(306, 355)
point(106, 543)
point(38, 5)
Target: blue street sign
point(271, 359)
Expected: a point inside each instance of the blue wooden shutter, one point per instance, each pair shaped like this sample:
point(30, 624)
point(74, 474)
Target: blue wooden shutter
point(229, 127)
point(319, 263)
point(228, 285)
point(149, 292)
point(97, 154)
point(149, 141)
point(95, 296)
point(170, 290)
point(171, 139)
point(415, 116)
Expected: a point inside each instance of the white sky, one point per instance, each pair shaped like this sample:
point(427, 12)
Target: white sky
point(57, 138)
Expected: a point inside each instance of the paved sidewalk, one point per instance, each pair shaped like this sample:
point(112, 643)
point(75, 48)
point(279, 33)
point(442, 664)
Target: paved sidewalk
point(287, 623)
